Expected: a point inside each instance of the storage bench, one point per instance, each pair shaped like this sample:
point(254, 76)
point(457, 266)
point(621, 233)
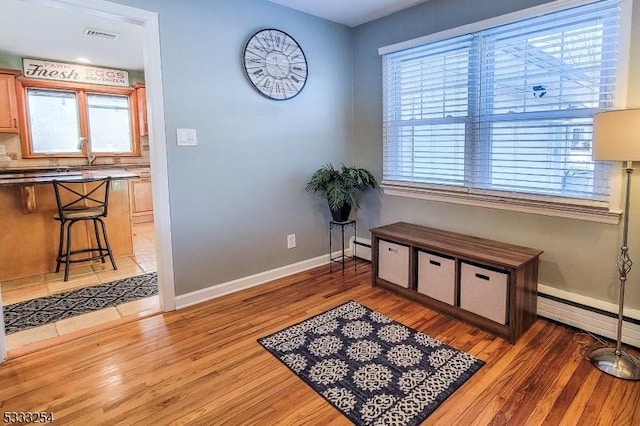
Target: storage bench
point(489, 284)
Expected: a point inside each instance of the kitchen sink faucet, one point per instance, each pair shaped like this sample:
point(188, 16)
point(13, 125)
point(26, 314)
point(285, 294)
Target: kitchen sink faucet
point(90, 156)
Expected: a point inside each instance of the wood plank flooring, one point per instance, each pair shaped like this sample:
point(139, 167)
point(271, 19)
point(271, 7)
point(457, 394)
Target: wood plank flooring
point(203, 366)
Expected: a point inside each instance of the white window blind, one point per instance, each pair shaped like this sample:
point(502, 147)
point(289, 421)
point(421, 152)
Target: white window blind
point(507, 110)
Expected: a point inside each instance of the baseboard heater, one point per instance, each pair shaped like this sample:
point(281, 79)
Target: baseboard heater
point(601, 321)
point(362, 247)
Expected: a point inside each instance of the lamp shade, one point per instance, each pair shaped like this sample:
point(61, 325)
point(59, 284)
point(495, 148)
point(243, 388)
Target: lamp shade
point(616, 135)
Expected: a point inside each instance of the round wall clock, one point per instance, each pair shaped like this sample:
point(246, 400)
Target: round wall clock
point(275, 64)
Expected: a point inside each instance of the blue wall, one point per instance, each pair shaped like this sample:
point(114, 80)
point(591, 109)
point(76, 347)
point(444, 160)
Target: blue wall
point(236, 196)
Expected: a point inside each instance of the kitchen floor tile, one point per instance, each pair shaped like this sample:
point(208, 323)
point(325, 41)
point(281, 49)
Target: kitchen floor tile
point(69, 325)
point(121, 263)
point(22, 294)
point(127, 267)
point(26, 337)
point(141, 258)
point(73, 283)
point(74, 273)
point(151, 266)
point(23, 282)
point(138, 306)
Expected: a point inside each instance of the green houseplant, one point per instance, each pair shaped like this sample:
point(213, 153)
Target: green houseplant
point(340, 187)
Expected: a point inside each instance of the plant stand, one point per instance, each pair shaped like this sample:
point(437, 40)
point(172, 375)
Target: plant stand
point(342, 258)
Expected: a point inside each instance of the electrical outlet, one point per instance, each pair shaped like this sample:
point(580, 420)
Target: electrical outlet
point(291, 241)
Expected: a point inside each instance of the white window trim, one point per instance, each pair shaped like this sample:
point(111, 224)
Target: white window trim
point(522, 205)
point(582, 211)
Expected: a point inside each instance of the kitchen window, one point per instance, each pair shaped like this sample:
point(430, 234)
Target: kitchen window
point(57, 116)
point(502, 111)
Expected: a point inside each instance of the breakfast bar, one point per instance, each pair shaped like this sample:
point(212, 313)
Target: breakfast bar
point(28, 233)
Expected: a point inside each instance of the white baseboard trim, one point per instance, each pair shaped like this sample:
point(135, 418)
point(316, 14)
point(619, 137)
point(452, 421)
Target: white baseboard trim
point(219, 290)
point(582, 312)
point(587, 314)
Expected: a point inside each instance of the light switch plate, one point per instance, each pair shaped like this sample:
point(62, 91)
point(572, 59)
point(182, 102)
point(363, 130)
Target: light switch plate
point(187, 137)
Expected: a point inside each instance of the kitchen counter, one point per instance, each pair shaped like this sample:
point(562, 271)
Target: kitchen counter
point(29, 234)
point(69, 168)
point(68, 175)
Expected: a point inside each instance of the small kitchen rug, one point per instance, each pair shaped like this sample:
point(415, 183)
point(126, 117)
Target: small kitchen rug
point(371, 368)
point(44, 310)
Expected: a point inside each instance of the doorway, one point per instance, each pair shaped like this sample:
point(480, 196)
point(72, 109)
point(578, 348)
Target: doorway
point(153, 79)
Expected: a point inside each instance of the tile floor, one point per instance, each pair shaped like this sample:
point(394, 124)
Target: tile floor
point(85, 275)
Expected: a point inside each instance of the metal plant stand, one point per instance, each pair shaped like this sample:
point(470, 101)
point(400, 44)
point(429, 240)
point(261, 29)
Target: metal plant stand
point(342, 258)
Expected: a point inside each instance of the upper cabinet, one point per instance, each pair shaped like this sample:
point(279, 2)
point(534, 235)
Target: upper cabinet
point(8, 103)
point(141, 96)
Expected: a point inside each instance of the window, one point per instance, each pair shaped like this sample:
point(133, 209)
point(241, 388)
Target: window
point(56, 116)
point(505, 111)
point(109, 123)
point(53, 121)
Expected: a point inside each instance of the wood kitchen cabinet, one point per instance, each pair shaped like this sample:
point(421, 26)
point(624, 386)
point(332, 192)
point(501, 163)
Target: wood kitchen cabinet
point(8, 102)
point(141, 198)
point(490, 284)
point(141, 103)
point(29, 241)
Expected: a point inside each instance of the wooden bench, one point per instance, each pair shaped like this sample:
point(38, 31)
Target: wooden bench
point(489, 284)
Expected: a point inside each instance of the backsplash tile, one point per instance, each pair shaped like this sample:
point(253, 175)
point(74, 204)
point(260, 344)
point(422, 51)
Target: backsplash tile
point(14, 150)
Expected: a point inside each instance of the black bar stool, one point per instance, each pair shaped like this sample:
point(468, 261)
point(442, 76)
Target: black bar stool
point(82, 200)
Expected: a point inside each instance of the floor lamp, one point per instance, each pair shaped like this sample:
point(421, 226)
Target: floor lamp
point(616, 137)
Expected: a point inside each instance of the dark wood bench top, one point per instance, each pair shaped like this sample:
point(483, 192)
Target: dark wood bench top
point(459, 245)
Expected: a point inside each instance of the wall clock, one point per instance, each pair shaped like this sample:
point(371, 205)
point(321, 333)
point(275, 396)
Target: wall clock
point(275, 64)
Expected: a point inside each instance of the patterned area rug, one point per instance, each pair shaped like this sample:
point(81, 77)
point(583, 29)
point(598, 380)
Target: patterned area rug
point(373, 369)
point(44, 310)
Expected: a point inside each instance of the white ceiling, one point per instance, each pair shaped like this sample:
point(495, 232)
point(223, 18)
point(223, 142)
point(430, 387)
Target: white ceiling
point(349, 12)
point(46, 29)
point(32, 29)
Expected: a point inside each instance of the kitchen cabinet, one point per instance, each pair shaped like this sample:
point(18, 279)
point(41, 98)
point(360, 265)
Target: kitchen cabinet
point(8, 102)
point(489, 284)
point(141, 103)
point(29, 240)
point(141, 198)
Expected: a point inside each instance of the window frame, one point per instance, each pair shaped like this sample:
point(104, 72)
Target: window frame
point(604, 212)
point(81, 90)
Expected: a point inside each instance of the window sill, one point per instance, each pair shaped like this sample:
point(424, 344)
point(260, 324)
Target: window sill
point(564, 210)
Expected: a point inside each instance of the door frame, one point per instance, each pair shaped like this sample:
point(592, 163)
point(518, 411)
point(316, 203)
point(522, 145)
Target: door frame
point(158, 148)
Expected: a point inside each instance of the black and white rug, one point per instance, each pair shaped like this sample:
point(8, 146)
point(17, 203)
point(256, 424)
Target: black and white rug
point(44, 310)
point(373, 369)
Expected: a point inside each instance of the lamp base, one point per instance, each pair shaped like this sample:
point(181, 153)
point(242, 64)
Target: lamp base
point(616, 363)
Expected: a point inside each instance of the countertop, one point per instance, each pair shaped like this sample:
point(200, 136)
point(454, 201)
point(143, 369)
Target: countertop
point(63, 174)
point(44, 169)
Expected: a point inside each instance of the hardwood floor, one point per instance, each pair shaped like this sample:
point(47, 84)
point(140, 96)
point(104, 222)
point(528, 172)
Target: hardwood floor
point(202, 365)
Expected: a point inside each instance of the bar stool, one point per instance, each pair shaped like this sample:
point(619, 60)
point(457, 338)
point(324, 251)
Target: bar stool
point(82, 201)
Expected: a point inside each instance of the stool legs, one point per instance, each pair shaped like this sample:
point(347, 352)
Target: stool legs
point(106, 242)
point(60, 246)
point(67, 257)
point(95, 231)
point(64, 247)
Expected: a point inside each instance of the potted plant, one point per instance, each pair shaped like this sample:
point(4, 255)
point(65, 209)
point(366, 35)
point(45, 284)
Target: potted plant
point(341, 188)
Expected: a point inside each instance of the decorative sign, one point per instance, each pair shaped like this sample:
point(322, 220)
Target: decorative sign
point(75, 73)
